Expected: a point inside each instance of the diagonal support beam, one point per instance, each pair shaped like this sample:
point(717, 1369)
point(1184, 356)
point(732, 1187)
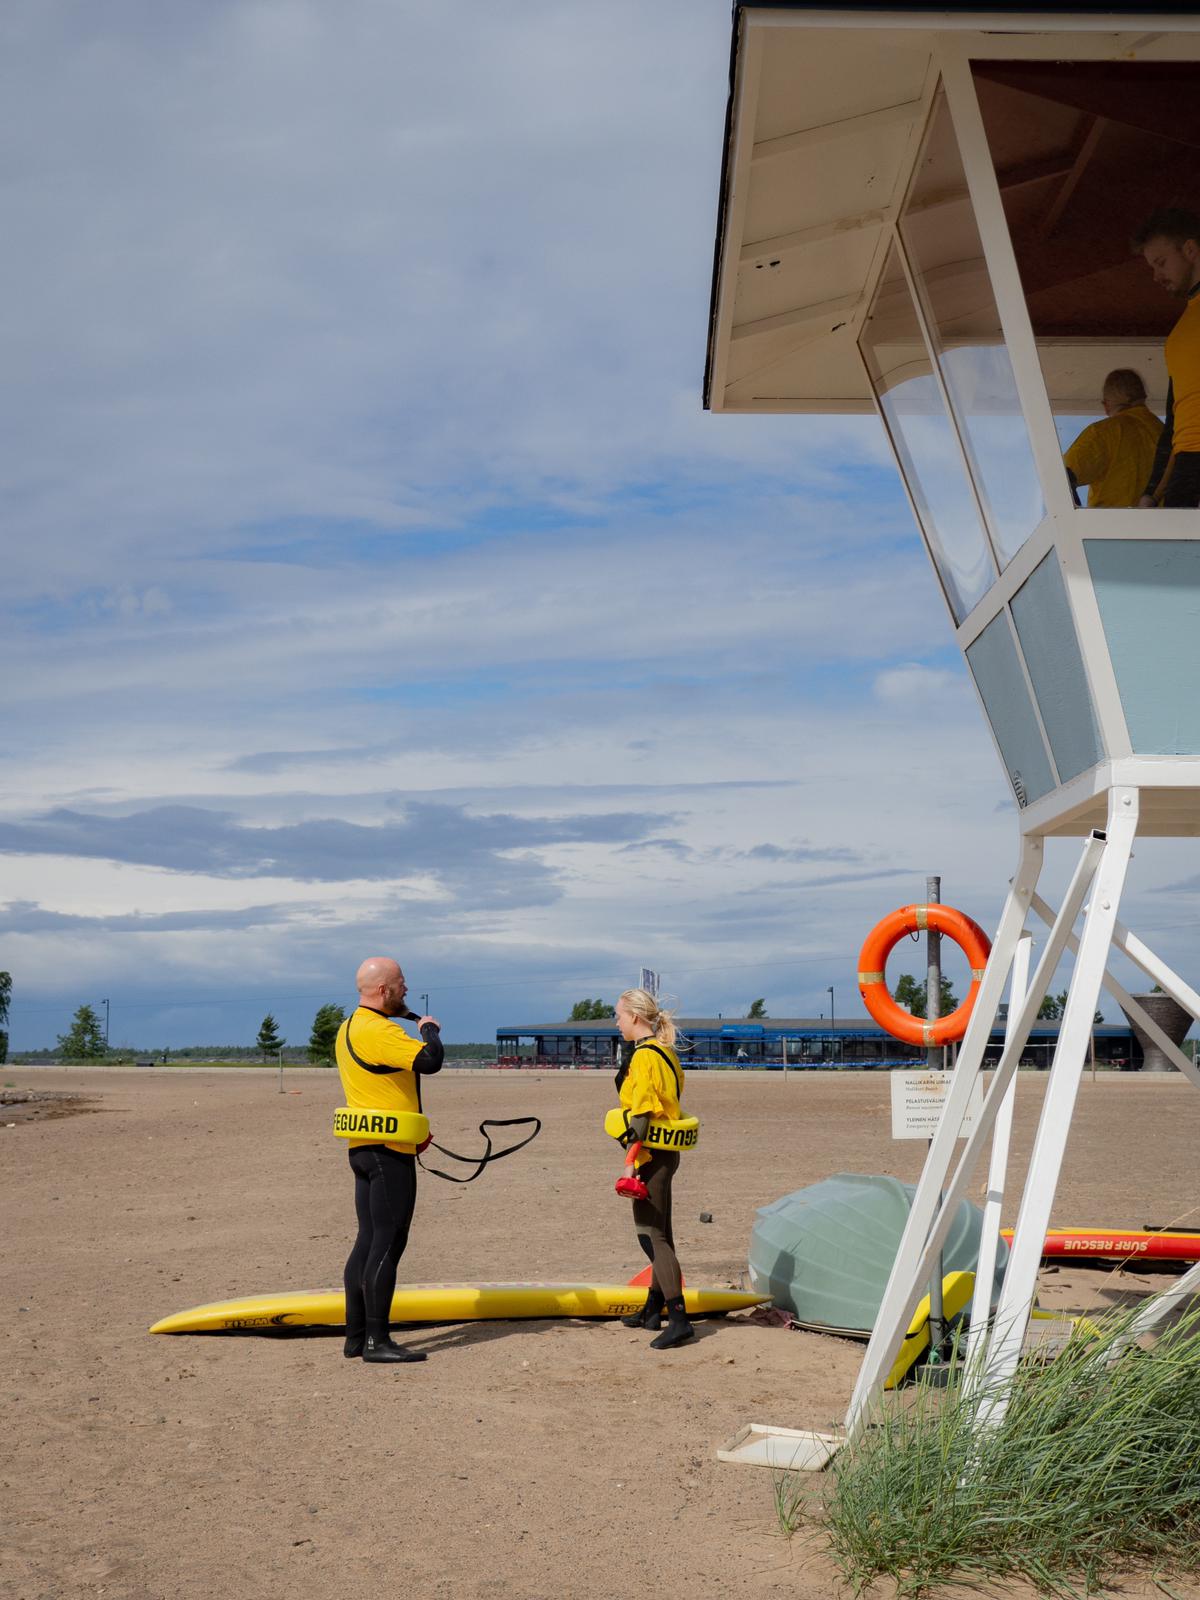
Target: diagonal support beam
point(782, 244)
point(1122, 939)
point(1157, 1309)
point(800, 317)
point(979, 1326)
point(905, 1286)
point(915, 1259)
point(1054, 1125)
point(1155, 967)
point(845, 128)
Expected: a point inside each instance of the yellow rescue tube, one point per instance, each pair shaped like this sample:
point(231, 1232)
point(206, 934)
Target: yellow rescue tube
point(389, 1127)
point(664, 1133)
point(957, 1289)
point(445, 1302)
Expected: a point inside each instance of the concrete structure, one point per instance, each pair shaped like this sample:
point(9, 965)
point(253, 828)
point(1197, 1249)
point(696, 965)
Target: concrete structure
point(1171, 1017)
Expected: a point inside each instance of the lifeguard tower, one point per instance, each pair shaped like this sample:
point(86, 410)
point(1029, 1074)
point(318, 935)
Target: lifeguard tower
point(927, 213)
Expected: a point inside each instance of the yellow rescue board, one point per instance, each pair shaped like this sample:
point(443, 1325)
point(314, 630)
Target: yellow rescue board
point(957, 1289)
point(443, 1302)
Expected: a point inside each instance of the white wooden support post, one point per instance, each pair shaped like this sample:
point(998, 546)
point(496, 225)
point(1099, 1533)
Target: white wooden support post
point(1009, 1061)
point(901, 1294)
point(989, 1233)
point(905, 1287)
point(1020, 1281)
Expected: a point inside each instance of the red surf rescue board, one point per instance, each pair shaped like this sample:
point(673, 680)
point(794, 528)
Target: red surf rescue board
point(1118, 1244)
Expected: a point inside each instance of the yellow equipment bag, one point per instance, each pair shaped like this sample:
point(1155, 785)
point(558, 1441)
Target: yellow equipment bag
point(400, 1127)
point(664, 1133)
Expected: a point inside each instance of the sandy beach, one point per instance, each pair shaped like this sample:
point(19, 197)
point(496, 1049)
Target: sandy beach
point(522, 1459)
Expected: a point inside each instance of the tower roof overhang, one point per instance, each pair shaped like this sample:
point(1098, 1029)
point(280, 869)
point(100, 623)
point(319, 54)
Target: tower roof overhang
point(822, 134)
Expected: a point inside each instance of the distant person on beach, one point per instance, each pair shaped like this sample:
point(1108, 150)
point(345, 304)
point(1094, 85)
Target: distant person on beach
point(1113, 458)
point(650, 1085)
point(1170, 243)
point(381, 1069)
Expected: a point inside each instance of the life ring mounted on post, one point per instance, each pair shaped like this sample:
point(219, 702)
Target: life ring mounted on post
point(872, 966)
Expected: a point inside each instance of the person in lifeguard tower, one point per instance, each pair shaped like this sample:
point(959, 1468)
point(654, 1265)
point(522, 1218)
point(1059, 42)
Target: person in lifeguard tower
point(650, 1086)
point(1113, 458)
point(1170, 243)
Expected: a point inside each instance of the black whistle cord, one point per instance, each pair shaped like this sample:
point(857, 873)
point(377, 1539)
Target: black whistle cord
point(489, 1154)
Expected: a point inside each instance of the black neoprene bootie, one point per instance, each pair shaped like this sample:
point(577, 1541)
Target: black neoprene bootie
point(354, 1345)
point(379, 1348)
point(678, 1329)
point(650, 1315)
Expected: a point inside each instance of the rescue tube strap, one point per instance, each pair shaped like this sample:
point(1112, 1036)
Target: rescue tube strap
point(648, 1044)
point(383, 1067)
point(489, 1154)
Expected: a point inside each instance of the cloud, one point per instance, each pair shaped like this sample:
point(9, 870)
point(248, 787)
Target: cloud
point(672, 847)
point(269, 762)
point(870, 875)
point(374, 576)
point(384, 268)
point(795, 853)
point(466, 853)
point(129, 603)
point(921, 689)
point(27, 917)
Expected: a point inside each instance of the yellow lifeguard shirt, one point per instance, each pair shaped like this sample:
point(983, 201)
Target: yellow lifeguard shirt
point(1182, 351)
point(368, 1038)
point(653, 1086)
point(1114, 457)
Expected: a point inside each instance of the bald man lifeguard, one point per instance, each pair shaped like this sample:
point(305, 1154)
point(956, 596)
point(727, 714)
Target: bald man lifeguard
point(381, 1068)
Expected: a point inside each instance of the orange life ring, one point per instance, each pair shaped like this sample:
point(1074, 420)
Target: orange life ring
point(872, 964)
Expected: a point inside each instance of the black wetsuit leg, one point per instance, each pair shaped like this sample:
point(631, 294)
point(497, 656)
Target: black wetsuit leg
point(652, 1219)
point(1183, 484)
point(385, 1193)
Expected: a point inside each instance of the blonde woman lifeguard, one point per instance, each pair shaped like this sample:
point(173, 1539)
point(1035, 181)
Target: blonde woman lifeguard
point(651, 1126)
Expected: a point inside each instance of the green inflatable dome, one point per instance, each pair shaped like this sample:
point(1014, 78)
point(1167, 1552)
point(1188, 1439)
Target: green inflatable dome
point(825, 1252)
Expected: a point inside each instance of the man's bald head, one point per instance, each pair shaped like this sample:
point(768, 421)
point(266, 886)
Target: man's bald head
point(381, 985)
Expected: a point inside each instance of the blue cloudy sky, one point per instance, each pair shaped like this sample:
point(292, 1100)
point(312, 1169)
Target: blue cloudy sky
point(374, 578)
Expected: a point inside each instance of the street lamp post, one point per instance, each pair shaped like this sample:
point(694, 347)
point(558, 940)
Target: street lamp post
point(424, 1005)
point(832, 1024)
point(104, 1003)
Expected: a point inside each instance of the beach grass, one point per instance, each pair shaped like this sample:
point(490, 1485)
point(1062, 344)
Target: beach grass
point(1094, 1471)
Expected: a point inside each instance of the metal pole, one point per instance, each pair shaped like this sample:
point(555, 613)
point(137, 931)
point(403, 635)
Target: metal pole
point(425, 1004)
point(933, 971)
point(281, 1069)
point(784, 1041)
point(105, 1004)
point(832, 1027)
point(935, 1061)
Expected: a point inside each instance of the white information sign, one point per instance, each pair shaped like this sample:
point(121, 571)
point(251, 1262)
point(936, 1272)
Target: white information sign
point(917, 1100)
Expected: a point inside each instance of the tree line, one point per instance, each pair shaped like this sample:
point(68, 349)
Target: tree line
point(84, 1039)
